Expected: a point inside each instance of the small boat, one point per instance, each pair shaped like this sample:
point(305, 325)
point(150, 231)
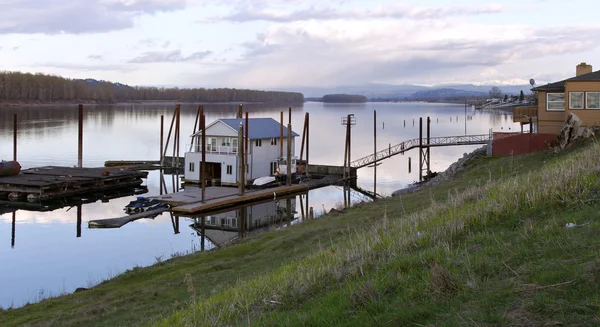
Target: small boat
point(142, 204)
point(264, 182)
point(9, 168)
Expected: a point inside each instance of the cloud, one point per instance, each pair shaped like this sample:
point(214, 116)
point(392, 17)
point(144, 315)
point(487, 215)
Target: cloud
point(395, 11)
point(95, 57)
point(87, 67)
point(77, 16)
point(354, 52)
point(168, 56)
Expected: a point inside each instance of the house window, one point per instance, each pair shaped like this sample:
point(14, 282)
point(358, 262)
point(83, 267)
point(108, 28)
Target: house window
point(274, 141)
point(555, 102)
point(258, 143)
point(211, 143)
point(575, 100)
point(234, 222)
point(223, 223)
point(191, 167)
point(592, 100)
point(229, 170)
point(234, 145)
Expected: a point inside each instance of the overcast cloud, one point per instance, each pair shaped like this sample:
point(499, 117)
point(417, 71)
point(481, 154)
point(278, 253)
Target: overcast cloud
point(271, 44)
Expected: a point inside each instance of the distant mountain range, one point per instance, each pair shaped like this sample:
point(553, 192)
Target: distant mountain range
point(389, 91)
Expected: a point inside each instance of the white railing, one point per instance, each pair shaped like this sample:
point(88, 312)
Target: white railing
point(223, 149)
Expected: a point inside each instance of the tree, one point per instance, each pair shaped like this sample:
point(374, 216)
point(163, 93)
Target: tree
point(521, 96)
point(495, 92)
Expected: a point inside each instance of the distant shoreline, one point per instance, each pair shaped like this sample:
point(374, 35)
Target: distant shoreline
point(96, 103)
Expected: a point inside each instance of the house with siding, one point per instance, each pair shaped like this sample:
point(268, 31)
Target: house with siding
point(579, 95)
point(222, 156)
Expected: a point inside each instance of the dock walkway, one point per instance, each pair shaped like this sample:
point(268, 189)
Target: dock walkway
point(51, 182)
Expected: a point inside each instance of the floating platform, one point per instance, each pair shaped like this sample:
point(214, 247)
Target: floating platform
point(52, 182)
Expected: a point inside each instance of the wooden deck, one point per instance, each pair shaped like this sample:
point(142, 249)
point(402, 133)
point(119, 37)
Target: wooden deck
point(50, 182)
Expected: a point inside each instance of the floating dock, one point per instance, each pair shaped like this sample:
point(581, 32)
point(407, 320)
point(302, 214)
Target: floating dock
point(52, 182)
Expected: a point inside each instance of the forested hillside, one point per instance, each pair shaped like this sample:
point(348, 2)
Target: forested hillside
point(25, 87)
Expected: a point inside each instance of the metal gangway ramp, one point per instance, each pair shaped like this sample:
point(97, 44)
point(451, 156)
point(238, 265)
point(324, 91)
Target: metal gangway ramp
point(416, 143)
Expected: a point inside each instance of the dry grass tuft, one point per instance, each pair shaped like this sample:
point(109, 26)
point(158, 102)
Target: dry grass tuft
point(364, 295)
point(441, 281)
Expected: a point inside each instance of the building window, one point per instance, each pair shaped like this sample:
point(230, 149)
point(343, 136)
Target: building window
point(258, 143)
point(234, 145)
point(274, 141)
point(211, 144)
point(191, 167)
point(229, 170)
point(555, 102)
point(592, 100)
point(575, 100)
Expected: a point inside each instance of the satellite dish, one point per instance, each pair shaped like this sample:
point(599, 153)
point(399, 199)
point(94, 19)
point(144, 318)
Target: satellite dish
point(532, 82)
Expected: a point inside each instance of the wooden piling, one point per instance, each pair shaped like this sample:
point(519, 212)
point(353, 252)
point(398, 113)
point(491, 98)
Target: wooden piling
point(409, 166)
point(178, 136)
point(428, 147)
point(79, 220)
point(307, 144)
point(240, 111)
point(246, 149)
point(420, 148)
point(80, 137)
point(281, 136)
point(15, 137)
point(202, 231)
point(311, 213)
point(375, 152)
point(13, 229)
point(203, 163)
point(169, 135)
point(240, 174)
point(196, 122)
point(289, 154)
point(303, 138)
point(162, 131)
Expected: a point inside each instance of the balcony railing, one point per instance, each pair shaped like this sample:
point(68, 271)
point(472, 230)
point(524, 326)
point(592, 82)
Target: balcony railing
point(214, 149)
point(522, 114)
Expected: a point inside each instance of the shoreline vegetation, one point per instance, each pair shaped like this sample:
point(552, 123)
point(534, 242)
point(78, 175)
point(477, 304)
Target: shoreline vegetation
point(508, 241)
point(17, 88)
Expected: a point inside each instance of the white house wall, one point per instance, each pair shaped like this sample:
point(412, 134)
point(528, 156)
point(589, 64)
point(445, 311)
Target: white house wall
point(264, 155)
point(220, 129)
point(223, 159)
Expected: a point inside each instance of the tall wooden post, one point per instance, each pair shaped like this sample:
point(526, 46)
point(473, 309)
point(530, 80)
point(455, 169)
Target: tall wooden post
point(15, 137)
point(162, 132)
point(428, 145)
point(307, 145)
point(80, 137)
point(13, 229)
point(202, 231)
point(246, 166)
point(465, 117)
point(375, 152)
point(240, 111)
point(281, 136)
point(203, 163)
point(289, 154)
point(178, 135)
point(196, 122)
point(420, 149)
point(79, 220)
point(240, 174)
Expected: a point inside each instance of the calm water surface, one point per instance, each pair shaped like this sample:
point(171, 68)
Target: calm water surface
point(41, 252)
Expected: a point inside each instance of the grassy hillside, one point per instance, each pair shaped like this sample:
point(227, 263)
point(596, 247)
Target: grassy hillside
point(487, 248)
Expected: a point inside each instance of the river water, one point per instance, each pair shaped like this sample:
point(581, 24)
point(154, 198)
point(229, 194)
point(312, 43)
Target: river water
point(43, 253)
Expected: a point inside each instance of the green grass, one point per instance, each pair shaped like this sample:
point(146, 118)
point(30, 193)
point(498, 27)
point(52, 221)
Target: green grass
point(487, 248)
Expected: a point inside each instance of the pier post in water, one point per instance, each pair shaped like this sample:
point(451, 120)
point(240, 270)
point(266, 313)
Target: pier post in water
point(162, 131)
point(203, 163)
point(240, 174)
point(375, 152)
point(420, 149)
point(80, 137)
point(15, 137)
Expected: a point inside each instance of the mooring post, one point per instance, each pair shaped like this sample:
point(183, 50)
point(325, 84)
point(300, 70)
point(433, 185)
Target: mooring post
point(289, 155)
point(246, 148)
point(80, 137)
point(240, 111)
point(240, 174)
point(13, 229)
point(420, 149)
point(307, 145)
point(178, 136)
point(79, 220)
point(465, 117)
point(281, 136)
point(169, 136)
point(375, 152)
point(428, 145)
point(203, 163)
point(196, 122)
point(409, 166)
point(162, 130)
point(15, 137)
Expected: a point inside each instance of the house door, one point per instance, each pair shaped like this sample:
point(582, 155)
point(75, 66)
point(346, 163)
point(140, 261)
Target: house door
point(213, 170)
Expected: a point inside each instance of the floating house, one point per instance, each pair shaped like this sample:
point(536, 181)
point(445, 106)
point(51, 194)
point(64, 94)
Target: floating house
point(222, 155)
point(579, 95)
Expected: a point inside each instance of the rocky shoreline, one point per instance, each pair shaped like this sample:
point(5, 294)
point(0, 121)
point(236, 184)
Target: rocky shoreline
point(447, 174)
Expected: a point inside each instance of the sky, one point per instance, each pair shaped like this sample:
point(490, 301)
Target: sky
point(299, 43)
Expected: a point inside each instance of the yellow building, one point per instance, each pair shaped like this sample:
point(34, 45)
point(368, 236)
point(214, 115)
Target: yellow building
point(579, 95)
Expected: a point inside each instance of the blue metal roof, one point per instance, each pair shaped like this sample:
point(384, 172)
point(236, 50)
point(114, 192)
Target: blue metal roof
point(260, 128)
